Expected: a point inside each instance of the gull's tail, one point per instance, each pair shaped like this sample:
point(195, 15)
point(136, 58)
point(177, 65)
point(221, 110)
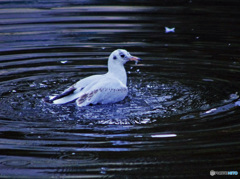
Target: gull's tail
point(67, 96)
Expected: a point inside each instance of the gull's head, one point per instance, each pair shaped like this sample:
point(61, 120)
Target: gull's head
point(121, 56)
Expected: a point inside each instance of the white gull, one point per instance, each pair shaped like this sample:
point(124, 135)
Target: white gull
point(107, 88)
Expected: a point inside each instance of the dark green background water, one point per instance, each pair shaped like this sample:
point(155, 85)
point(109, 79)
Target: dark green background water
point(180, 119)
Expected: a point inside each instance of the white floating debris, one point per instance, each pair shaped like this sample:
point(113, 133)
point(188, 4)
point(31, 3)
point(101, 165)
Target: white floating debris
point(169, 30)
point(14, 91)
point(163, 135)
point(64, 61)
point(211, 110)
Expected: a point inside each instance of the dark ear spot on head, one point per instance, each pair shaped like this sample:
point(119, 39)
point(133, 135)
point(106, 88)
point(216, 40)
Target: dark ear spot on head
point(114, 58)
point(122, 55)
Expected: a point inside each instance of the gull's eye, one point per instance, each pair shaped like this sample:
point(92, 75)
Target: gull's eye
point(122, 55)
point(115, 58)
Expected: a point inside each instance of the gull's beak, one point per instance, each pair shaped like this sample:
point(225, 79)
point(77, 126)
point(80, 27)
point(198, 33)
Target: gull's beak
point(136, 59)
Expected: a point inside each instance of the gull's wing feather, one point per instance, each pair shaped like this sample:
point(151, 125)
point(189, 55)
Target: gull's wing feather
point(107, 90)
point(72, 92)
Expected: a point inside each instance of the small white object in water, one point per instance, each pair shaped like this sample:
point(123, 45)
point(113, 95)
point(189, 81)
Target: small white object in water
point(108, 88)
point(163, 135)
point(168, 30)
point(64, 61)
point(211, 110)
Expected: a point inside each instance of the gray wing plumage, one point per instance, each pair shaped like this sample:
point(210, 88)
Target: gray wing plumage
point(72, 93)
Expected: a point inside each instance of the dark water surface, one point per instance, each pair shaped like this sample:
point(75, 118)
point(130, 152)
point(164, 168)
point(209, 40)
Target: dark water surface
point(181, 117)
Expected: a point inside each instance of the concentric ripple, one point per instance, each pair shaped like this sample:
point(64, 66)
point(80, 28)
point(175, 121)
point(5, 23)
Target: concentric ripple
point(180, 118)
